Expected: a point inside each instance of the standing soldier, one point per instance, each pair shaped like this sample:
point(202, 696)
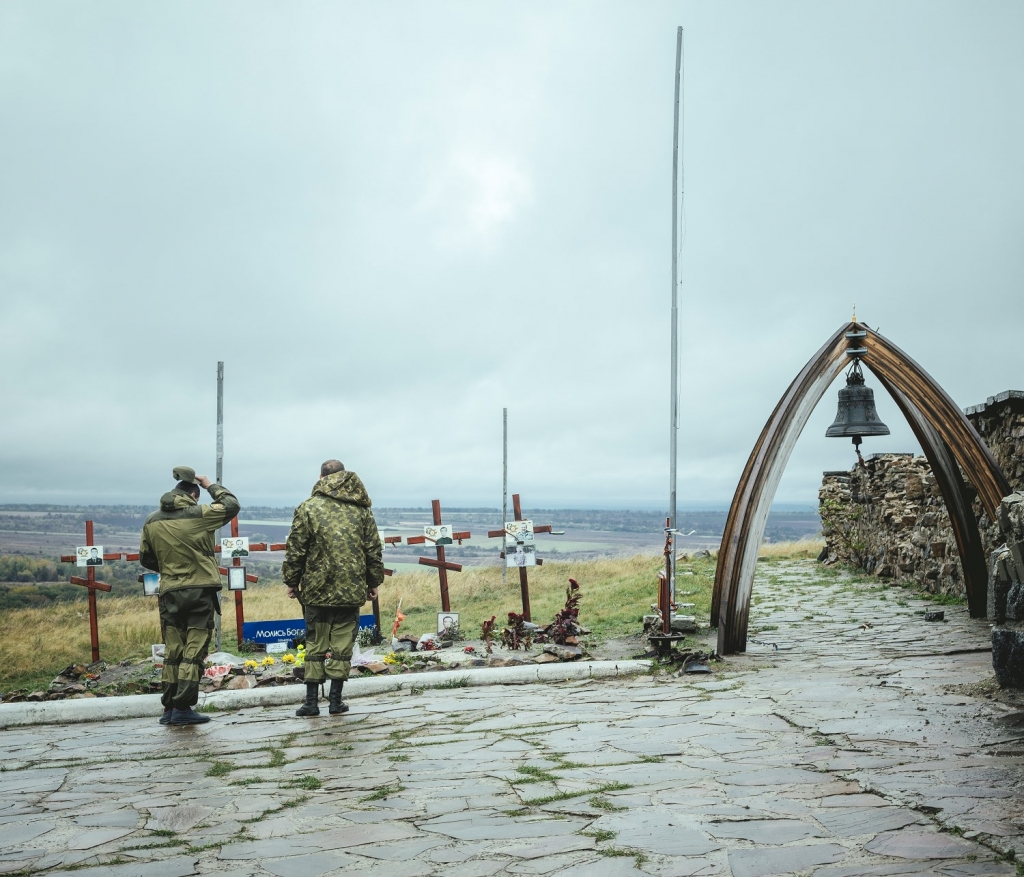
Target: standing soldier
point(333, 566)
point(177, 542)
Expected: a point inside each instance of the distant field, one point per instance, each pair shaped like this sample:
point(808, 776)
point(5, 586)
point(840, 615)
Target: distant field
point(49, 531)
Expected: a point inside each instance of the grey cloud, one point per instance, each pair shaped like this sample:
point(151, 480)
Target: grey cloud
point(350, 203)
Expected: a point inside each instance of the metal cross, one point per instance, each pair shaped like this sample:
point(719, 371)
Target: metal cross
point(90, 582)
point(524, 580)
point(440, 564)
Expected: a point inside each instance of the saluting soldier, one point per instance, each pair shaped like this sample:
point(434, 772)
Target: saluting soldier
point(177, 542)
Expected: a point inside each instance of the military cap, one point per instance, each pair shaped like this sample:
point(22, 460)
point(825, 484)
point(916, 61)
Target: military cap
point(184, 473)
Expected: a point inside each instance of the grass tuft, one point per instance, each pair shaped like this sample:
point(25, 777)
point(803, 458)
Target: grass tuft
point(382, 793)
point(309, 783)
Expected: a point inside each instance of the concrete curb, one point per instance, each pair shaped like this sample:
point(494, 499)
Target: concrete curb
point(63, 712)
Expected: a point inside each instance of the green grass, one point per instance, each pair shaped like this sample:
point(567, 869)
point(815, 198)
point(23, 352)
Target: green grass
point(457, 682)
point(533, 775)
point(579, 793)
point(220, 768)
point(636, 855)
point(941, 599)
point(175, 842)
point(599, 803)
point(599, 834)
point(382, 793)
point(308, 783)
point(287, 805)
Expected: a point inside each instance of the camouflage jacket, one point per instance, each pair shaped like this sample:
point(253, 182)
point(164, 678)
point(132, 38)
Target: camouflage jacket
point(333, 553)
point(177, 540)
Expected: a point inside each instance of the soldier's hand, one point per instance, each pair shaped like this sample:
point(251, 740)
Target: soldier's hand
point(292, 593)
point(203, 481)
point(371, 593)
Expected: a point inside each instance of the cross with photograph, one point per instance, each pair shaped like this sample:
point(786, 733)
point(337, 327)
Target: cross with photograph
point(439, 534)
point(234, 547)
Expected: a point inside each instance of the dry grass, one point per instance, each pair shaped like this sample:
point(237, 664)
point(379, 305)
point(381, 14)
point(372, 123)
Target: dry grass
point(802, 549)
point(35, 644)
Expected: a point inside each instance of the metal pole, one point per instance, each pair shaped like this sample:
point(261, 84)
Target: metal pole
point(504, 486)
point(220, 476)
point(220, 421)
point(674, 405)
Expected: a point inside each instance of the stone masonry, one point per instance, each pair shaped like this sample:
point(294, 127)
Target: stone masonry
point(1006, 595)
point(888, 518)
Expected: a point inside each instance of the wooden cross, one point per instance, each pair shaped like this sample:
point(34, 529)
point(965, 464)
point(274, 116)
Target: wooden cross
point(440, 564)
point(252, 579)
point(375, 602)
point(90, 582)
point(524, 580)
point(237, 561)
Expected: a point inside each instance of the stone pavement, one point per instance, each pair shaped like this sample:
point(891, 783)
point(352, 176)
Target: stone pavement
point(846, 751)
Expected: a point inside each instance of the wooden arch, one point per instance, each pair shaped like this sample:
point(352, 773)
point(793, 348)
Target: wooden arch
point(948, 439)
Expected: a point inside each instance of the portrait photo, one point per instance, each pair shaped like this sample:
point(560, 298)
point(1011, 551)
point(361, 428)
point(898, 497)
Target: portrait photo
point(439, 534)
point(447, 623)
point(89, 555)
point(521, 554)
point(518, 531)
point(236, 578)
point(235, 546)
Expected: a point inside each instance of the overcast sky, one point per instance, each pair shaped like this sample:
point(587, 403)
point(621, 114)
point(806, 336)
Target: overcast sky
point(390, 220)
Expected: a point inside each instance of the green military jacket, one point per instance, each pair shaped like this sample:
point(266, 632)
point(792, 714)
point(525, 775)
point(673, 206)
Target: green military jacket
point(333, 554)
point(177, 540)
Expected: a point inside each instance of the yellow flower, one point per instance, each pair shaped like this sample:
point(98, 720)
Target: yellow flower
point(391, 658)
point(251, 665)
point(287, 659)
point(268, 661)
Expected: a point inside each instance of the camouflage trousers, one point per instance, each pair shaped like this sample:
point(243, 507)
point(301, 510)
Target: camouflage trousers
point(187, 617)
point(329, 630)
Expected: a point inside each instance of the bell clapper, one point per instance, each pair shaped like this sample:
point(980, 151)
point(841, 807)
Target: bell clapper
point(856, 447)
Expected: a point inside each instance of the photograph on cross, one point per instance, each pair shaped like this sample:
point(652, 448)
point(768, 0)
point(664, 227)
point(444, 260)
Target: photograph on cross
point(89, 555)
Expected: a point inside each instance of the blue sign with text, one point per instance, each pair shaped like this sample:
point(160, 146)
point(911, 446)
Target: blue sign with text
point(281, 631)
point(273, 631)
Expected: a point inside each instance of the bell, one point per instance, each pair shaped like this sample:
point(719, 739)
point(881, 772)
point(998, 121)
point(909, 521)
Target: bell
point(856, 416)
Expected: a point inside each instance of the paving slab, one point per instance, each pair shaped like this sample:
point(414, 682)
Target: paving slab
point(851, 751)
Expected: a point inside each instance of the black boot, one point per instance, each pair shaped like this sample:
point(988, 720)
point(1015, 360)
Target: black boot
point(309, 708)
point(335, 706)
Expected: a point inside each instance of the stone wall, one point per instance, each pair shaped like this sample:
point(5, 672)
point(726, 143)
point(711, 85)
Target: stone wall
point(888, 517)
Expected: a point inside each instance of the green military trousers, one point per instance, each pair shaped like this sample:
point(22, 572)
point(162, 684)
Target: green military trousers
point(329, 630)
point(187, 617)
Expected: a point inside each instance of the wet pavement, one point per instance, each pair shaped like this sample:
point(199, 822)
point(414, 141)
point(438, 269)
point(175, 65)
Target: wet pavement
point(838, 745)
